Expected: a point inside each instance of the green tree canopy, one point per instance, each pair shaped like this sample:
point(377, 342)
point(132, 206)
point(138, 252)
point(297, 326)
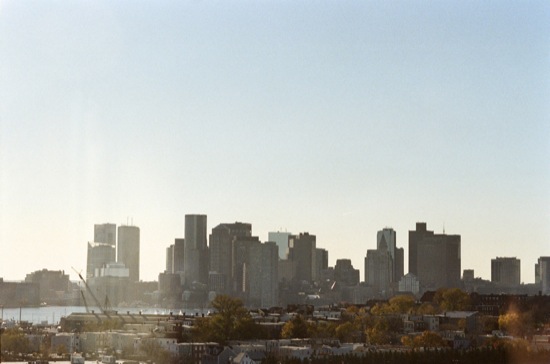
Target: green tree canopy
point(231, 321)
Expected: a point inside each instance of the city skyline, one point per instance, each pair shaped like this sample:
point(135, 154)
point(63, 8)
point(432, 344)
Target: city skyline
point(334, 119)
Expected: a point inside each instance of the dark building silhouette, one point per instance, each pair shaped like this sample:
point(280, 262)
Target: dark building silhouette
point(195, 265)
point(221, 256)
point(345, 274)
point(384, 265)
point(506, 271)
point(240, 253)
point(434, 258)
point(178, 256)
point(261, 275)
point(302, 251)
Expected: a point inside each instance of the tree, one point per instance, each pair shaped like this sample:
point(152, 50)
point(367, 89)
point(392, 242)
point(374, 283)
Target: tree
point(384, 330)
point(232, 321)
point(345, 332)
point(515, 323)
point(452, 299)
point(14, 340)
point(401, 304)
point(296, 328)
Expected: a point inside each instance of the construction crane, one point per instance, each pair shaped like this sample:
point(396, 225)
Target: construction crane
point(104, 310)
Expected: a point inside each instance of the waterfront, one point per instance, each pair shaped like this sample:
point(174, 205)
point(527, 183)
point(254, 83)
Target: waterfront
point(51, 315)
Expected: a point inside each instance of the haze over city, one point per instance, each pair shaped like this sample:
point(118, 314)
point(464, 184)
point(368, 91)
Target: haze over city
point(336, 119)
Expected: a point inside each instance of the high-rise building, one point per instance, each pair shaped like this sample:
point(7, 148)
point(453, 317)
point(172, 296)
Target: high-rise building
point(195, 266)
point(378, 270)
point(179, 256)
point(544, 274)
point(169, 259)
point(388, 238)
point(415, 236)
point(302, 251)
point(105, 233)
point(99, 255)
point(434, 258)
point(240, 255)
point(506, 271)
point(221, 245)
point(261, 274)
point(321, 262)
point(128, 250)
point(384, 265)
point(281, 239)
point(345, 274)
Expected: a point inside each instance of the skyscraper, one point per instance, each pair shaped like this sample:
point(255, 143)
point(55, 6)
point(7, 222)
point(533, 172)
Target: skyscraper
point(384, 265)
point(105, 233)
point(281, 239)
point(302, 251)
point(128, 250)
point(220, 247)
point(506, 271)
point(195, 258)
point(434, 258)
point(261, 274)
point(99, 255)
point(240, 255)
point(378, 269)
point(389, 237)
point(169, 259)
point(179, 256)
point(543, 272)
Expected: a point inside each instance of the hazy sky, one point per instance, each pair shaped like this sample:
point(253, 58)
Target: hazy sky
point(338, 118)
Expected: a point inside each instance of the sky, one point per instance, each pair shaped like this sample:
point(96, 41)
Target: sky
point(333, 118)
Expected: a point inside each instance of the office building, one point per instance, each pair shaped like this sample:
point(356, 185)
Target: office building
point(543, 272)
point(220, 247)
point(99, 255)
point(434, 258)
point(179, 256)
point(53, 285)
point(378, 270)
point(261, 274)
point(240, 255)
point(281, 239)
point(345, 274)
point(105, 233)
point(169, 268)
point(302, 251)
point(384, 265)
point(388, 238)
point(506, 271)
point(195, 265)
point(128, 250)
